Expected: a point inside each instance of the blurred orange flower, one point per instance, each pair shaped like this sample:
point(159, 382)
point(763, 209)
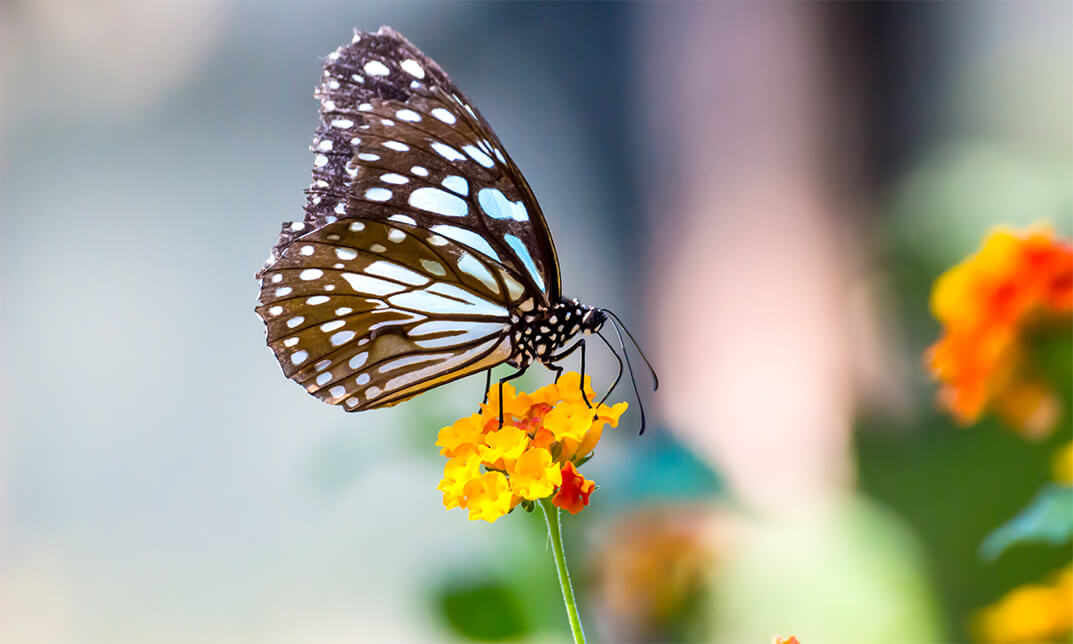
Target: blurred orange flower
point(491, 469)
point(1032, 613)
point(785, 640)
point(1017, 281)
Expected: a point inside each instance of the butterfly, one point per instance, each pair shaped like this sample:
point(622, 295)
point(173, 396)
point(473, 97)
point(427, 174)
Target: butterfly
point(423, 256)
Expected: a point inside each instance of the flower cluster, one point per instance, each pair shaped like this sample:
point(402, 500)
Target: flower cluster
point(1016, 282)
point(1033, 613)
point(545, 435)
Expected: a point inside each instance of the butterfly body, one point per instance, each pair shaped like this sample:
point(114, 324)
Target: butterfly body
point(423, 256)
point(538, 335)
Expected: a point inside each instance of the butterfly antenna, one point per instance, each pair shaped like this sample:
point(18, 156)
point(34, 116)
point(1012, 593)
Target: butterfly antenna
point(651, 369)
point(629, 367)
point(618, 376)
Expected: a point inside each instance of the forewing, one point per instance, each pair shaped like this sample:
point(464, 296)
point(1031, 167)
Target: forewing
point(366, 313)
point(398, 141)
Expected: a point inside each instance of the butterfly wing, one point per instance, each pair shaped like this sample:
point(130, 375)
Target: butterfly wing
point(366, 313)
point(399, 142)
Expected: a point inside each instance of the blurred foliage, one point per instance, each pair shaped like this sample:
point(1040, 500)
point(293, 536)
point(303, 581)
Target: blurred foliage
point(485, 610)
point(954, 485)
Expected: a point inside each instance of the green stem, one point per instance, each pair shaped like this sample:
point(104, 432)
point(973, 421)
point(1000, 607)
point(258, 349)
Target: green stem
point(555, 533)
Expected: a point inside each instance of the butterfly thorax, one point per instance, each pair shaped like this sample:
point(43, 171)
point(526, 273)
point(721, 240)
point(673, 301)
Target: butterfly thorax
point(538, 335)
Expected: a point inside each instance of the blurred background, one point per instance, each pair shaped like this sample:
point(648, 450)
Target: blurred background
point(765, 191)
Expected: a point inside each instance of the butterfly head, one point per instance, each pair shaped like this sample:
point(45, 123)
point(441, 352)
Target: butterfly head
point(592, 319)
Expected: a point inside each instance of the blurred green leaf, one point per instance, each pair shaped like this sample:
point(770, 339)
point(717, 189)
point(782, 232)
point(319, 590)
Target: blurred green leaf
point(484, 610)
point(1048, 518)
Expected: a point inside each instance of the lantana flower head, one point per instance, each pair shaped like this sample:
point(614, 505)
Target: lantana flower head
point(544, 437)
point(989, 304)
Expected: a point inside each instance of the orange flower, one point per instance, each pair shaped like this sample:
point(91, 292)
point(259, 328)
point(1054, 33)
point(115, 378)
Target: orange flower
point(574, 494)
point(553, 420)
point(987, 304)
point(784, 640)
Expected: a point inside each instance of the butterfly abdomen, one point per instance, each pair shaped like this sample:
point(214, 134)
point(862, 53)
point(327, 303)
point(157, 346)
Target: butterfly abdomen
point(539, 334)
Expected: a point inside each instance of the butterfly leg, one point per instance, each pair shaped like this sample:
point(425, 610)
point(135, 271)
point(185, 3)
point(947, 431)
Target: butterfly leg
point(503, 380)
point(580, 344)
point(487, 385)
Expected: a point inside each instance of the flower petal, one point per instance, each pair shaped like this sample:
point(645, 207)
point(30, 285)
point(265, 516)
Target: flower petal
point(574, 493)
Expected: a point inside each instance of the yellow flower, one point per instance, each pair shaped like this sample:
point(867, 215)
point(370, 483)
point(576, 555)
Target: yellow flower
point(488, 496)
point(569, 420)
point(514, 404)
point(987, 305)
point(551, 420)
point(569, 387)
point(535, 475)
point(1034, 613)
point(1063, 464)
point(503, 447)
point(464, 431)
point(577, 449)
point(459, 471)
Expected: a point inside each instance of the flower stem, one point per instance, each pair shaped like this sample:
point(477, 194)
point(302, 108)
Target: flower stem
point(555, 533)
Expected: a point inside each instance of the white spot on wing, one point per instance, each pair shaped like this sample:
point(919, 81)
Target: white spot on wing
point(477, 155)
point(371, 285)
point(445, 151)
point(396, 179)
point(449, 299)
point(451, 333)
point(298, 357)
point(396, 272)
point(413, 68)
point(403, 219)
point(341, 338)
point(432, 266)
point(405, 361)
point(376, 68)
point(444, 116)
point(523, 254)
point(467, 237)
point(378, 194)
point(457, 184)
point(439, 202)
point(496, 205)
point(469, 264)
point(408, 115)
